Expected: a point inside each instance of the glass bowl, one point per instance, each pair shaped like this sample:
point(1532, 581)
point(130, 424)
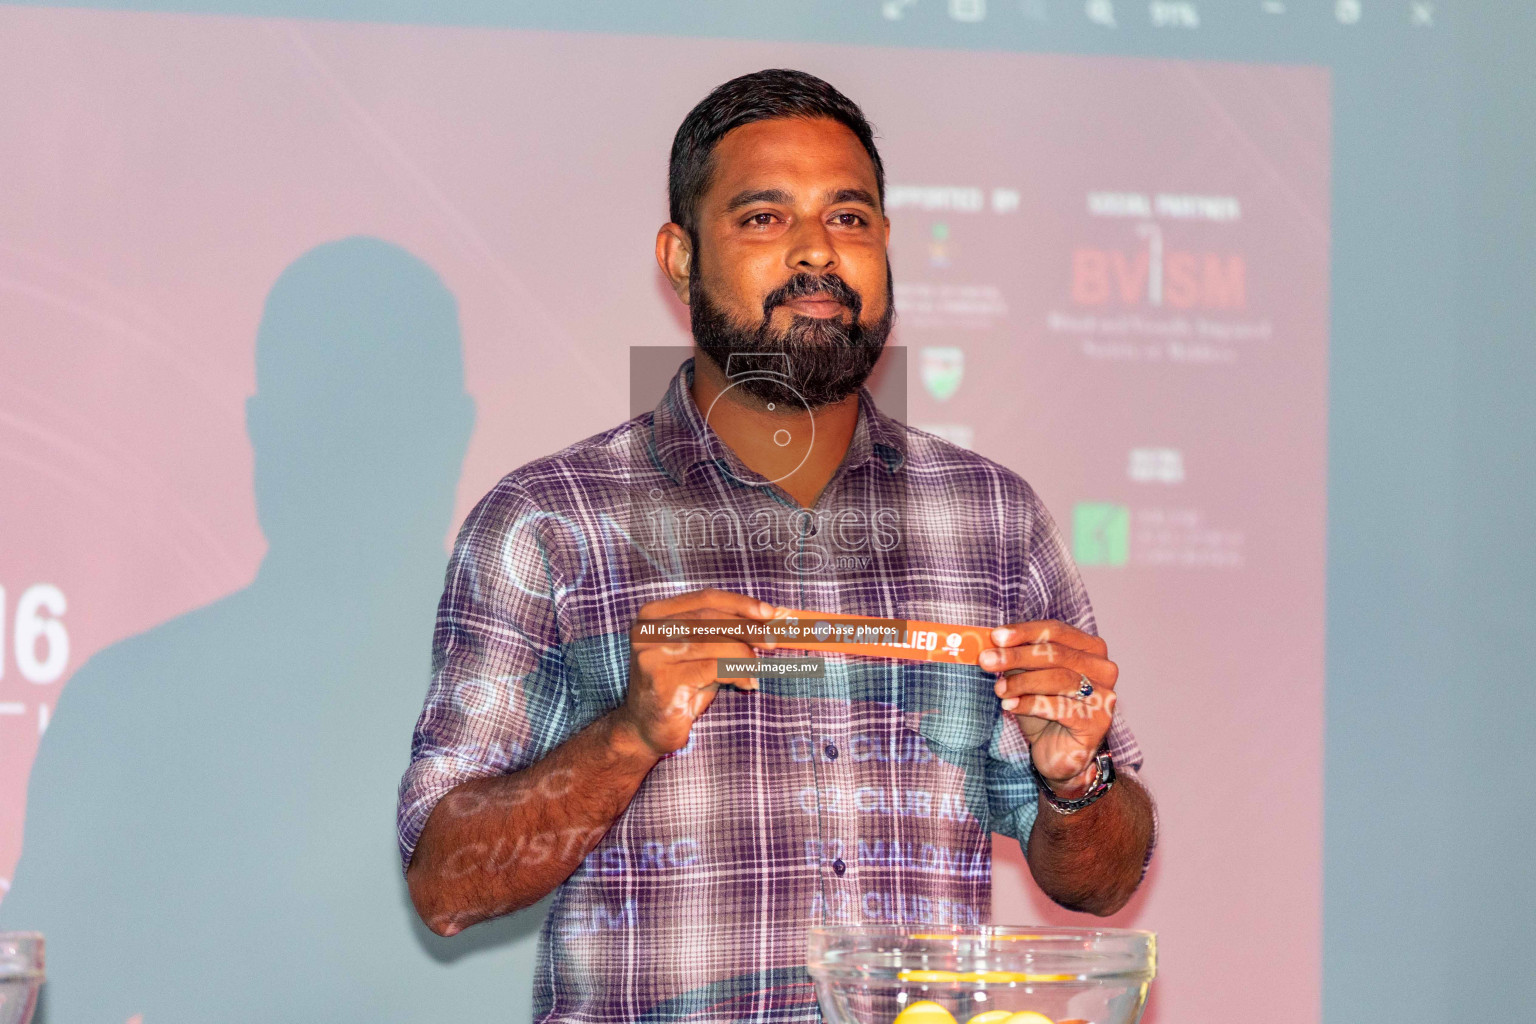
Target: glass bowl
point(881, 974)
point(21, 975)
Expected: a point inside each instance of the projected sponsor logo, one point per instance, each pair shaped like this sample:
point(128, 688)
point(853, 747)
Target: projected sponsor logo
point(596, 918)
point(838, 906)
point(928, 858)
point(1156, 465)
point(1186, 537)
point(648, 856)
point(1152, 276)
point(942, 369)
point(902, 746)
point(1154, 298)
point(1107, 534)
point(1101, 533)
point(888, 801)
point(950, 306)
point(938, 245)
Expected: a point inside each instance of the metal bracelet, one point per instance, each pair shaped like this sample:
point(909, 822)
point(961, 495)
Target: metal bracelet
point(1102, 783)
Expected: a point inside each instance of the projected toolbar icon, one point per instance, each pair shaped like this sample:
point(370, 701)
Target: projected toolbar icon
point(968, 10)
point(1173, 14)
point(1347, 11)
point(1101, 12)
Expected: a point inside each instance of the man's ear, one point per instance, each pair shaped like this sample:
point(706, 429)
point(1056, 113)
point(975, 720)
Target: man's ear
point(674, 254)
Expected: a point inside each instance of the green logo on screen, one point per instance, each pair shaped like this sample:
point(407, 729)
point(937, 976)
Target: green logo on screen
point(941, 371)
point(1101, 533)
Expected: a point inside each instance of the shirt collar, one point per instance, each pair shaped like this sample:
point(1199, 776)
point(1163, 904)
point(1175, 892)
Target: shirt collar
point(680, 439)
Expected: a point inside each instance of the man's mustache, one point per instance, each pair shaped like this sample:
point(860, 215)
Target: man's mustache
point(802, 285)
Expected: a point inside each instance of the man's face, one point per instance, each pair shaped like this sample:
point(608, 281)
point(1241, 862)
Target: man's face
point(790, 258)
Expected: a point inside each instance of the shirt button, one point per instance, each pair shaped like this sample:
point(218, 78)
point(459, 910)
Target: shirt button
point(831, 752)
point(839, 867)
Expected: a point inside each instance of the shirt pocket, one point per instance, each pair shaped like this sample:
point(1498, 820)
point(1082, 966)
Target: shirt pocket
point(952, 707)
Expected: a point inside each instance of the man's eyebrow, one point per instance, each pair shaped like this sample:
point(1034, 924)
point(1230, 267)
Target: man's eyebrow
point(777, 195)
point(851, 195)
point(758, 195)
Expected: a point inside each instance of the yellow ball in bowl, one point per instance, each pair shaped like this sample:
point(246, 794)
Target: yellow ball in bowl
point(925, 1012)
point(990, 1017)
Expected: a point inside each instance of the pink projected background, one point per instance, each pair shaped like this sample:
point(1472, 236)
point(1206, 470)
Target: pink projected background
point(1112, 277)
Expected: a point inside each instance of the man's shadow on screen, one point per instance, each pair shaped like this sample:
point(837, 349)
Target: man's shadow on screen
point(210, 828)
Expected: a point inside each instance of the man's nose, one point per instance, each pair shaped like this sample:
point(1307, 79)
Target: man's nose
point(810, 248)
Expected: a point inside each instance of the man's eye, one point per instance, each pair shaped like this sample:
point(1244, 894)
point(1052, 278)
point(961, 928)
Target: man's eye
point(760, 220)
point(848, 220)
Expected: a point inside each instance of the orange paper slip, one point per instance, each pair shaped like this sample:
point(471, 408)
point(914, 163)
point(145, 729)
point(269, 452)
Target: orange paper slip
point(864, 635)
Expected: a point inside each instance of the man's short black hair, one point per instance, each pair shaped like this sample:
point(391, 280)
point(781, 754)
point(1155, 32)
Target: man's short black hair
point(760, 96)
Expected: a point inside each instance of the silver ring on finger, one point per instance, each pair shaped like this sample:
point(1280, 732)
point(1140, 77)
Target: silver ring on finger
point(1084, 687)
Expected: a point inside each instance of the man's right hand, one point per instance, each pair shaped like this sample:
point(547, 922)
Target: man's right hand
point(672, 682)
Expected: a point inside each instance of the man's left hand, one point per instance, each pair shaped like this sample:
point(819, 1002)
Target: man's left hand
point(1041, 667)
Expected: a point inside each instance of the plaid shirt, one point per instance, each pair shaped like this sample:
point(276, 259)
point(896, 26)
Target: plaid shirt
point(866, 796)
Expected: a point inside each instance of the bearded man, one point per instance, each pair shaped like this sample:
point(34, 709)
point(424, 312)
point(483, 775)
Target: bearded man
point(694, 825)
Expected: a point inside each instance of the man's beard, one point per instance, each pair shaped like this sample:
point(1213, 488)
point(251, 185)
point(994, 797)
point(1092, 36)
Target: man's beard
point(828, 360)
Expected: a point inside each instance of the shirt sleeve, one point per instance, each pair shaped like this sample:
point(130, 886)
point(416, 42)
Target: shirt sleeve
point(1048, 579)
point(500, 692)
